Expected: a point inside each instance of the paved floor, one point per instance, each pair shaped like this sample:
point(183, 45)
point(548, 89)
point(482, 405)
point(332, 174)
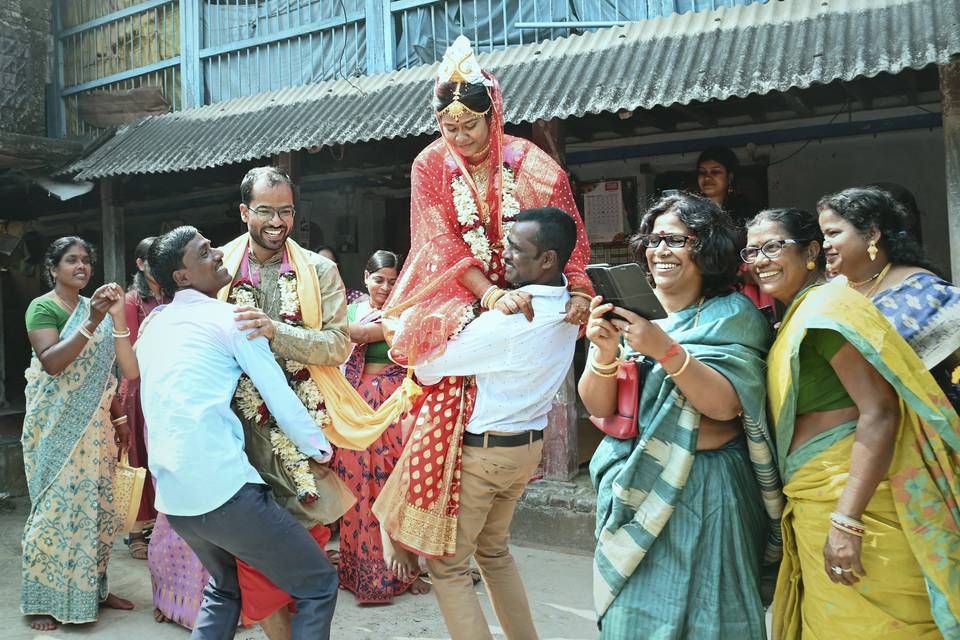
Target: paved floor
point(558, 585)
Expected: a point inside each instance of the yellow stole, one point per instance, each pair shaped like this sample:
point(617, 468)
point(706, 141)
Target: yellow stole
point(353, 424)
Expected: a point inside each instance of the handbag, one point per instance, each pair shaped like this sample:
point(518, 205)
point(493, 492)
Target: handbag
point(623, 424)
point(127, 492)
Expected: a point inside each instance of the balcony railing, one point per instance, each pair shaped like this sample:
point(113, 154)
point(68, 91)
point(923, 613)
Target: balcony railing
point(196, 52)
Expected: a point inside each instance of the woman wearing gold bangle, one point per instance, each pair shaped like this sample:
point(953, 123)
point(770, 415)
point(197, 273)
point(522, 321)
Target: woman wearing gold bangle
point(69, 444)
point(681, 508)
point(869, 454)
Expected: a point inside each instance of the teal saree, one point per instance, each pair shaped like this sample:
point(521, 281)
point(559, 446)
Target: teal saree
point(683, 535)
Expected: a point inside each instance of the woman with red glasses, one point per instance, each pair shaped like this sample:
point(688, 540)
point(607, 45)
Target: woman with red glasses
point(687, 501)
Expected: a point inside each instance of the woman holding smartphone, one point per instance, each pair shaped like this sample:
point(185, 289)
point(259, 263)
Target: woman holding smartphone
point(688, 503)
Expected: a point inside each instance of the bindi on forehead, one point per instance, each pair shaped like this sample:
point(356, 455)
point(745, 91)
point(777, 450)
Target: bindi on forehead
point(669, 223)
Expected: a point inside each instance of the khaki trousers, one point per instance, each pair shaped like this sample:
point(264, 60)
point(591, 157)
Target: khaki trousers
point(492, 480)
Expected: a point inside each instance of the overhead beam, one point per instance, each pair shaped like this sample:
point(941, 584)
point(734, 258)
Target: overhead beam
point(696, 115)
point(757, 115)
point(859, 93)
point(797, 104)
point(911, 87)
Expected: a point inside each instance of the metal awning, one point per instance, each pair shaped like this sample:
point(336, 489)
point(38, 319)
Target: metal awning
point(678, 59)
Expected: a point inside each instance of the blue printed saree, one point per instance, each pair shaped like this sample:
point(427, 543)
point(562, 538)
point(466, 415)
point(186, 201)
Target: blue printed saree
point(926, 312)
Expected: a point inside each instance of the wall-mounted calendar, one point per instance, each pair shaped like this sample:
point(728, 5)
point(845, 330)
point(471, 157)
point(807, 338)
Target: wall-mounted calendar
point(603, 211)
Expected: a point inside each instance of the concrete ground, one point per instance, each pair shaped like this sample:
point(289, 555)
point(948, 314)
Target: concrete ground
point(558, 584)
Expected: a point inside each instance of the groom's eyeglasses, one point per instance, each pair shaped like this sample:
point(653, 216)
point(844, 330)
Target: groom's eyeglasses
point(265, 214)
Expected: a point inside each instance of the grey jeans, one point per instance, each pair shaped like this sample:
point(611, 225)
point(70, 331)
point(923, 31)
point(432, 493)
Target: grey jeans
point(251, 526)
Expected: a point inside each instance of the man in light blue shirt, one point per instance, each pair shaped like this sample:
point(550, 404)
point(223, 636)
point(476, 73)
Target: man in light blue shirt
point(192, 354)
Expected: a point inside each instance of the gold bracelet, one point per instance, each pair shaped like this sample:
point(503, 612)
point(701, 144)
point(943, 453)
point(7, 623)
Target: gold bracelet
point(582, 294)
point(602, 374)
point(607, 370)
point(86, 334)
point(121, 334)
point(683, 367)
point(494, 298)
point(119, 420)
point(609, 366)
point(486, 293)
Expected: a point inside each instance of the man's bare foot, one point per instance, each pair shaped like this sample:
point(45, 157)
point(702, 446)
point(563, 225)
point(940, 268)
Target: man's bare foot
point(398, 560)
point(116, 602)
point(43, 623)
point(158, 615)
point(419, 587)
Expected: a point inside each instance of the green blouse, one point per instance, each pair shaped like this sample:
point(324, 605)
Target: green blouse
point(376, 351)
point(819, 388)
point(45, 313)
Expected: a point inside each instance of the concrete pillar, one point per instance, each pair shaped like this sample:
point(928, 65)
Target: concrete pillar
point(114, 249)
point(548, 135)
point(950, 103)
point(560, 452)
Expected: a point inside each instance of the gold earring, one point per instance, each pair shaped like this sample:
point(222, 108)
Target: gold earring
point(811, 265)
point(872, 250)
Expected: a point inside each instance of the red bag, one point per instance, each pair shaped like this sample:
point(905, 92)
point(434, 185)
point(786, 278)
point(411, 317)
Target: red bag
point(623, 424)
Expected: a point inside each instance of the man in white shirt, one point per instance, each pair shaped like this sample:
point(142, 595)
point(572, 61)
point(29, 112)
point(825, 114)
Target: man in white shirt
point(519, 364)
point(192, 354)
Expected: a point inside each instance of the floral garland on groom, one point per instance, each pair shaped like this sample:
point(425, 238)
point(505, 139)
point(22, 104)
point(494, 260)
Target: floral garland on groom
point(243, 292)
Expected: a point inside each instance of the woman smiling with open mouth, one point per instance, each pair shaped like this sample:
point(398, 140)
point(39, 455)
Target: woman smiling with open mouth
point(869, 511)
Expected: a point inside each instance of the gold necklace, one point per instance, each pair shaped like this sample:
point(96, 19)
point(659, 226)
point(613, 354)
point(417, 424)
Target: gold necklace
point(878, 274)
point(63, 302)
point(696, 319)
point(882, 275)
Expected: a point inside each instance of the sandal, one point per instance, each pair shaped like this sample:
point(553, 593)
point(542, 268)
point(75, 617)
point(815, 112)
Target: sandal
point(138, 547)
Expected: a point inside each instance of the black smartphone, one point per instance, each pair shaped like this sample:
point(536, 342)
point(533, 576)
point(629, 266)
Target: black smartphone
point(626, 286)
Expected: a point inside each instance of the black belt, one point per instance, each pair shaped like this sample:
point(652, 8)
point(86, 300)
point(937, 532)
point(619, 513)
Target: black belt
point(488, 440)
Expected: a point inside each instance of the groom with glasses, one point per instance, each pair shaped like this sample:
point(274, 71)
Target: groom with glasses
point(263, 259)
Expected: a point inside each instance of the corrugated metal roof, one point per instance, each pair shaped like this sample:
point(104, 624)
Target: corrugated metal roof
point(675, 59)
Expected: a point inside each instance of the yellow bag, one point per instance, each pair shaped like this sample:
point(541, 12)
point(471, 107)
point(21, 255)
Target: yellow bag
point(127, 492)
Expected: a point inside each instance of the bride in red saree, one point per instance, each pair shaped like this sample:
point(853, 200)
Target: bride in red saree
point(467, 187)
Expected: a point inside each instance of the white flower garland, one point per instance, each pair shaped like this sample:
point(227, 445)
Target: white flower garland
point(251, 404)
point(468, 216)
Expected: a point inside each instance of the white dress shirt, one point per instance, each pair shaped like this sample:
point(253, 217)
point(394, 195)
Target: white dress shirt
point(519, 365)
point(191, 355)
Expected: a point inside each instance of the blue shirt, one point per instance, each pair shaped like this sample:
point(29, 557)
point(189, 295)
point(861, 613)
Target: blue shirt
point(191, 355)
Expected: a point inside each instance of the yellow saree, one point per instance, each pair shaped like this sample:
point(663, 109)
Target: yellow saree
point(353, 424)
point(911, 551)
